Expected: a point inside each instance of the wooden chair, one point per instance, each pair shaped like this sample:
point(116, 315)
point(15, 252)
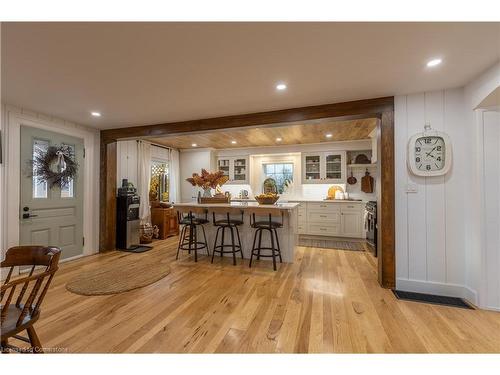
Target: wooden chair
point(21, 315)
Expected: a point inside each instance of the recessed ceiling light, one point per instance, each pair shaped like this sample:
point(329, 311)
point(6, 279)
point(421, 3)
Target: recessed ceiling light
point(280, 86)
point(95, 114)
point(329, 135)
point(194, 145)
point(233, 142)
point(434, 62)
point(279, 139)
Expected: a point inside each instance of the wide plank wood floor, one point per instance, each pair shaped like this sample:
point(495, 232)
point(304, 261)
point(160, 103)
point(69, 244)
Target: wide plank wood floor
point(327, 301)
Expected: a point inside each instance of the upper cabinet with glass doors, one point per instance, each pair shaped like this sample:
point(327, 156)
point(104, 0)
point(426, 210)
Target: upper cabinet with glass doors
point(324, 167)
point(235, 167)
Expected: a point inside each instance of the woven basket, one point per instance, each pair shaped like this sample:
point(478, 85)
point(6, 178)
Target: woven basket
point(267, 200)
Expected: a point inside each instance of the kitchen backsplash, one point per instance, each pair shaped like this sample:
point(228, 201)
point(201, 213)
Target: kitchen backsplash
point(312, 191)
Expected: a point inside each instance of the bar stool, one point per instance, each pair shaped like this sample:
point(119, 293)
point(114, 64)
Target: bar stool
point(266, 225)
point(232, 225)
point(188, 240)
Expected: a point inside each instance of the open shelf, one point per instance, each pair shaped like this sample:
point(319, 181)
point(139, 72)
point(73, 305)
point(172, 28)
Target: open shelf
point(371, 165)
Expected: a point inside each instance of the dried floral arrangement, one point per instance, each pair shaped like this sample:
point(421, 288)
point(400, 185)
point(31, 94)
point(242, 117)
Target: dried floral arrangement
point(208, 180)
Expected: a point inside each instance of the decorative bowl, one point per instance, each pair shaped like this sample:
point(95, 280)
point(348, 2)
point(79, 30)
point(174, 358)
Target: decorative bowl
point(270, 199)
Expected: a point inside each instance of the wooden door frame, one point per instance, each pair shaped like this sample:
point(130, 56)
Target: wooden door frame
point(381, 108)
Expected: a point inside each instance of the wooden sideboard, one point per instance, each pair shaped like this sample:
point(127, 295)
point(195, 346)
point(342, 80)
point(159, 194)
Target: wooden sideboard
point(166, 219)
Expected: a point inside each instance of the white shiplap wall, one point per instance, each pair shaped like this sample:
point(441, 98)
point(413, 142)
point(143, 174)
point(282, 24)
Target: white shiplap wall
point(490, 296)
point(430, 225)
point(126, 162)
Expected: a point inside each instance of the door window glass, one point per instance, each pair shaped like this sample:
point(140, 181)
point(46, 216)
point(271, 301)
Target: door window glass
point(334, 166)
point(68, 190)
point(223, 165)
point(313, 167)
point(39, 186)
point(240, 170)
point(159, 180)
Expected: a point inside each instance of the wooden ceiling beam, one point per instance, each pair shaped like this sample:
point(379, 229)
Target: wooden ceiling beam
point(343, 111)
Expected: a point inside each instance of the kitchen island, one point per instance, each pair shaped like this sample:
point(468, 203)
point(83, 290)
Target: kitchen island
point(287, 213)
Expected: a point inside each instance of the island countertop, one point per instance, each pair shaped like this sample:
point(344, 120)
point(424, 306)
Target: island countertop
point(253, 205)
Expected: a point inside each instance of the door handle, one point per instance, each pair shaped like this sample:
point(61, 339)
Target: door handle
point(28, 215)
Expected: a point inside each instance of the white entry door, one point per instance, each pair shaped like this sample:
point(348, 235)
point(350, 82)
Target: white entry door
point(50, 216)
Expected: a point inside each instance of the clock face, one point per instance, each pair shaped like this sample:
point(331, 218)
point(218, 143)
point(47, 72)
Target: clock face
point(430, 153)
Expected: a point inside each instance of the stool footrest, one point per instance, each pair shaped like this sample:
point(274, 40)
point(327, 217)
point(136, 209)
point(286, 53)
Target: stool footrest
point(199, 246)
point(220, 249)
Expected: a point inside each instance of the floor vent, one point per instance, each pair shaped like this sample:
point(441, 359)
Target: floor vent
point(431, 298)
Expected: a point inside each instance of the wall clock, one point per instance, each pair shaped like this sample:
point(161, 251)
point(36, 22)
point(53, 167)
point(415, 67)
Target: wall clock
point(429, 153)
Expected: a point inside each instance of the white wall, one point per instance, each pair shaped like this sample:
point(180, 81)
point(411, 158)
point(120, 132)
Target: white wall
point(490, 295)
point(475, 92)
point(440, 230)
point(13, 118)
point(192, 161)
point(431, 223)
point(126, 162)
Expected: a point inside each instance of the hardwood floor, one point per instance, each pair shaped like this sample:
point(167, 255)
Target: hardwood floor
point(327, 301)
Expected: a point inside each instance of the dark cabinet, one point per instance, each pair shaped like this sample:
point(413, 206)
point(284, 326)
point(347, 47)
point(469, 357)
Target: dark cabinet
point(166, 220)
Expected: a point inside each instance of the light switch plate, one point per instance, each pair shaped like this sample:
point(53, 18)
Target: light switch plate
point(411, 188)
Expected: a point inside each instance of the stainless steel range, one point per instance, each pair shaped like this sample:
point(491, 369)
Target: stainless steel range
point(371, 225)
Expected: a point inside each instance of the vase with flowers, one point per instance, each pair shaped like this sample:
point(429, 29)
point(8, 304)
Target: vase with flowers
point(208, 181)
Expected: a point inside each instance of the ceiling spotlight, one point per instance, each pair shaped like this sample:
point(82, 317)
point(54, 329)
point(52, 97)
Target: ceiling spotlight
point(434, 62)
point(281, 87)
point(194, 145)
point(329, 135)
point(233, 142)
point(279, 139)
point(95, 114)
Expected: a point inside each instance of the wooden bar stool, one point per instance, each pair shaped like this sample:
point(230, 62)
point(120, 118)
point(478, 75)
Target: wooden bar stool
point(266, 225)
point(231, 224)
point(191, 219)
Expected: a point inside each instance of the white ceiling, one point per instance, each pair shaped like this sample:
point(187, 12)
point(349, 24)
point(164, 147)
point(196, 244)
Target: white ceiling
point(146, 73)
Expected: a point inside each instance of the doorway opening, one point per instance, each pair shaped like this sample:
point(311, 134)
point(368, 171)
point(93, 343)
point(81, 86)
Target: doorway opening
point(381, 109)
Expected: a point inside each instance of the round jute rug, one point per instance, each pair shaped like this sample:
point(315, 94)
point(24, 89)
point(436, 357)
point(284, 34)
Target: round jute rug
point(119, 274)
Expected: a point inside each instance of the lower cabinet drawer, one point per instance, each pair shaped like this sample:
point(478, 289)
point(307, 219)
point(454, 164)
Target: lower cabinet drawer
point(322, 229)
point(323, 217)
point(351, 208)
point(302, 228)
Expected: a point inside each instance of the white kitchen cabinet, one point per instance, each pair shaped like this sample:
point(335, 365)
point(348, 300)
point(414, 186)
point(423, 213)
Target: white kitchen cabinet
point(236, 168)
point(334, 219)
point(302, 218)
point(324, 167)
point(351, 224)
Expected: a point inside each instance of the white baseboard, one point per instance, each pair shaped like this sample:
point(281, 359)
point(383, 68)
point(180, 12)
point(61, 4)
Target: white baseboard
point(431, 287)
point(491, 308)
point(25, 270)
point(74, 258)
